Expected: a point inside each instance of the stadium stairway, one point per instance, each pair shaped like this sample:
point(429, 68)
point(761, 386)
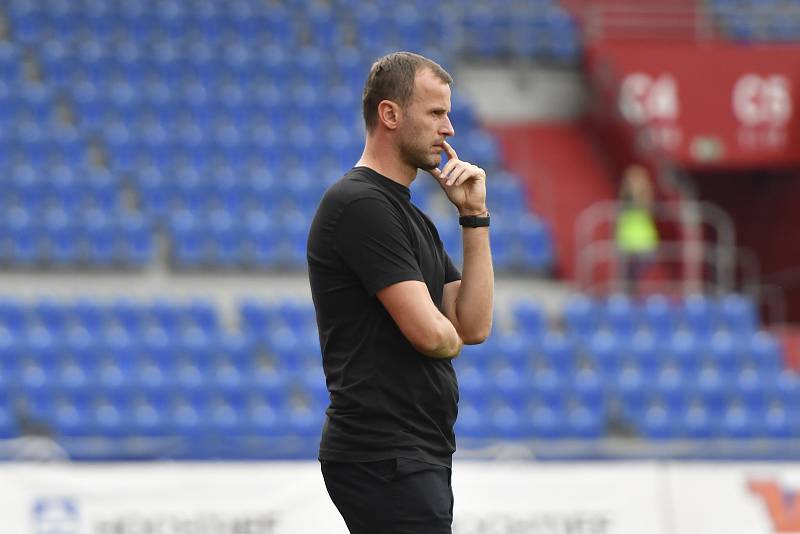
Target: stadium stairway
point(559, 161)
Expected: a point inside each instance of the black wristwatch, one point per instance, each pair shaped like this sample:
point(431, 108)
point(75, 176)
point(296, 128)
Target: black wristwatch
point(474, 221)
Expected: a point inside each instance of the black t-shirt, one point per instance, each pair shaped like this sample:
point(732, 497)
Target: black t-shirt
point(386, 399)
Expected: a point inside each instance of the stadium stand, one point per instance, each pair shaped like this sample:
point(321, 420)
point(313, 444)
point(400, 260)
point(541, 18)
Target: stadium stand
point(109, 376)
point(212, 126)
point(218, 129)
point(757, 20)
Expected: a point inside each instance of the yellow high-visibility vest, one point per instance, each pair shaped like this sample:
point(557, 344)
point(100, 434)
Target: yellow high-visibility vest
point(636, 232)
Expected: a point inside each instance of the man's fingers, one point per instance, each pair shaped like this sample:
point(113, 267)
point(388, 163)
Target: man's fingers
point(450, 151)
point(436, 172)
point(475, 172)
point(464, 177)
point(449, 166)
point(462, 170)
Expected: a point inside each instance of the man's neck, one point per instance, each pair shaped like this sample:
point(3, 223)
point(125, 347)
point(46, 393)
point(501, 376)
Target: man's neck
point(387, 163)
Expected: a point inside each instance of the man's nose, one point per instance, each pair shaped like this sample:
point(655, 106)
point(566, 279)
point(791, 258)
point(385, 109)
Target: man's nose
point(447, 128)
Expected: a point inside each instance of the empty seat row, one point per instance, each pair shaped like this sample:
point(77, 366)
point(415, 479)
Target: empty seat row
point(167, 368)
point(181, 417)
point(84, 249)
point(96, 316)
point(757, 20)
point(630, 385)
point(698, 313)
point(581, 422)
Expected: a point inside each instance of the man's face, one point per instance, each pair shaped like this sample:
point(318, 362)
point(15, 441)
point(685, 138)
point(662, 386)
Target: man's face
point(425, 124)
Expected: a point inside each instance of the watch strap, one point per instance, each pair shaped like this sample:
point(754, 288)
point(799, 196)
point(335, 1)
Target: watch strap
point(473, 221)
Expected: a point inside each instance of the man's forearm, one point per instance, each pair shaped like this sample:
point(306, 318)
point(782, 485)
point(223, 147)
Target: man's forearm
point(445, 343)
point(475, 301)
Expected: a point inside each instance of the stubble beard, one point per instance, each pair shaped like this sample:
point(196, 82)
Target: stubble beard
point(417, 155)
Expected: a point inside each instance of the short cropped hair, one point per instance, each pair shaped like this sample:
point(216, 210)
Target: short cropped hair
point(392, 78)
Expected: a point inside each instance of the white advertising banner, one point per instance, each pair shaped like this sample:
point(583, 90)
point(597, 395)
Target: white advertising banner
point(229, 498)
point(290, 498)
point(576, 498)
point(491, 498)
point(735, 499)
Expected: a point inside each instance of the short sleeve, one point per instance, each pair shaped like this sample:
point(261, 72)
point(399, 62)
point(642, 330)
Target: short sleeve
point(374, 243)
point(451, 272)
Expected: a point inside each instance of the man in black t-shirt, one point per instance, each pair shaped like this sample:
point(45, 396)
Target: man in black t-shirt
point(392, 308)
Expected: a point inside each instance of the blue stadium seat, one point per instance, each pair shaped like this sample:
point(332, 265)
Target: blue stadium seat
point(698, 423)
point(484, 21)
point(588, 387)
point(71, 419)
point(152, 375)
point(783, 29)
point(514, 348)
point(10, 61)
point(699, 314)
point(559, 352)
point(108, 420)
point(630, 385)
point(787, 388)
point(13, 316)
point(547, 386)
point(619, 315)
point(659, 315)
point(224, 419)
point(604, 351)
point(738, 314)
point(672, 387)
point(138, 245)
point(724, 350)
point(148, 420)
point(752, 388)
point(645, 351)
point(740, 423)
point(580, 315)
point(269, 376)
point(765, 350)
point(529, 318)
point(254, 314)
point(472, 420)
point(712, 388)
point(303, 418)
point(88, 314)
point(50, 313)
point(780, 423)
point(533, 248)
point(506, 422)
point(685, 350)
point(549, 422)
point(188, 420)
point(507, 382)
point(473, 381)
point(739, 28)
point(585, 422)
point(72, 374)
point(659, 422)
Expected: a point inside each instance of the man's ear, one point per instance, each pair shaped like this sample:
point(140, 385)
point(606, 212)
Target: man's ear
point(389, 114)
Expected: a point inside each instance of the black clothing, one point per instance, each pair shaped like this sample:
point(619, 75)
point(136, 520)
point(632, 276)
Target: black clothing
point(397, 496)
point(386, 399)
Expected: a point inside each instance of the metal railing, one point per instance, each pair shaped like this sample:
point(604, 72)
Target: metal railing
point(667, 21)
point(689, 215)
point(663, 21)
point(720, 265)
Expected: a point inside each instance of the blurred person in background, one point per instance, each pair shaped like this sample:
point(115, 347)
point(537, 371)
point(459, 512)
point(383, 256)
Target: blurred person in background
point(636, 235)
point(392, 308)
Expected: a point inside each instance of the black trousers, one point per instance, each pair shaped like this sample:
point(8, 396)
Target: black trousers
point(397, 496)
